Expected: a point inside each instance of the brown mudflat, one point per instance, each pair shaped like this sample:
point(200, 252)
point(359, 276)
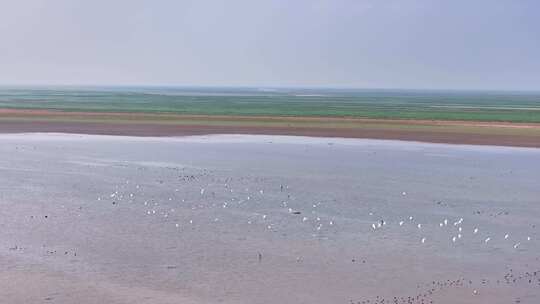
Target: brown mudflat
point(142, 124)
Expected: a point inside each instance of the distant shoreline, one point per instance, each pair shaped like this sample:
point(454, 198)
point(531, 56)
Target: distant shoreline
point(282, 104)
point(142, 124)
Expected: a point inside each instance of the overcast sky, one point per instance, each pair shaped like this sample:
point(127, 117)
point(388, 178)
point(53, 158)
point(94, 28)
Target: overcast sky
point(467, 44)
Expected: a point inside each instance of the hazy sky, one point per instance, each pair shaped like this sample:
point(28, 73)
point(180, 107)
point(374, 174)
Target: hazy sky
point(470, 44)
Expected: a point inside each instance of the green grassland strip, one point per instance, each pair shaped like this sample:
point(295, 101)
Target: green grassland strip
point(297, 109)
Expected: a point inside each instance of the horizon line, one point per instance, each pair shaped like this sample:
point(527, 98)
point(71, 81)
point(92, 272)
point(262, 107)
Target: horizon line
point(262, 87)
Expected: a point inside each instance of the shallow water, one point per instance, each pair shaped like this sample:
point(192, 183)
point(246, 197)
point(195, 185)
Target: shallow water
point(266, 219)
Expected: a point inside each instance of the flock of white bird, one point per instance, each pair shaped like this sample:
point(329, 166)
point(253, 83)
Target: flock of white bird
point(458, 233)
